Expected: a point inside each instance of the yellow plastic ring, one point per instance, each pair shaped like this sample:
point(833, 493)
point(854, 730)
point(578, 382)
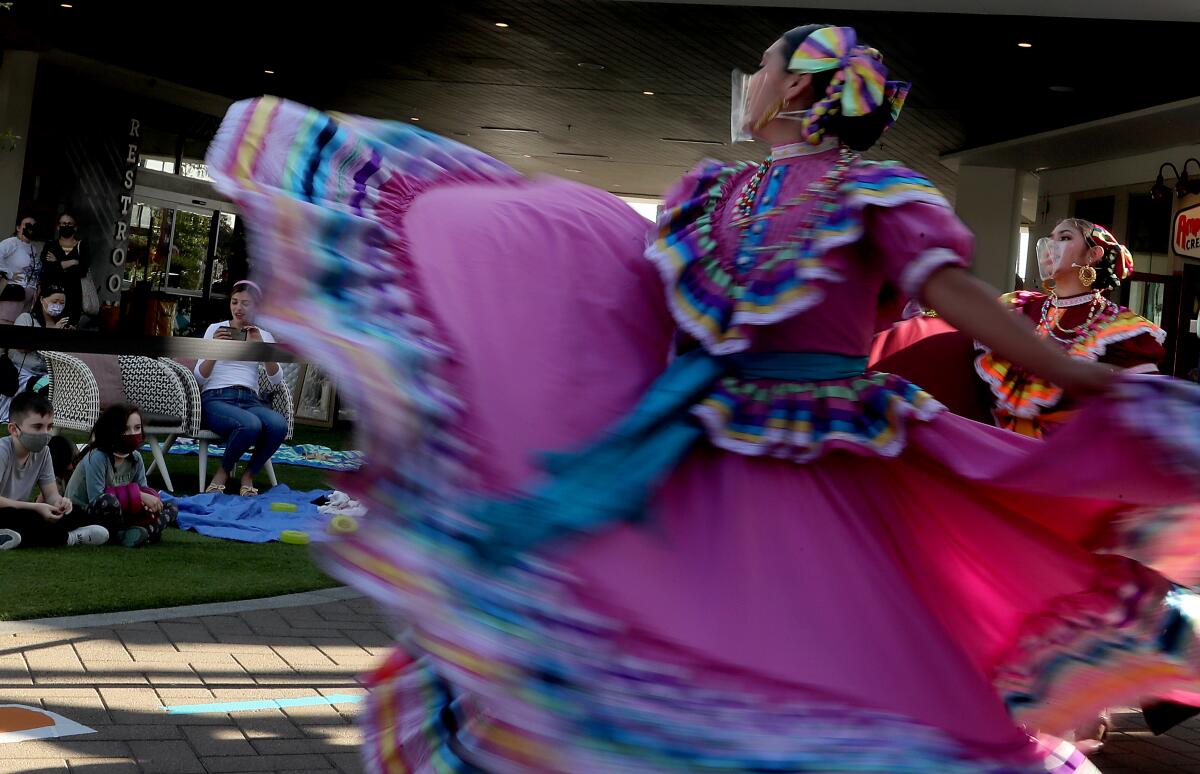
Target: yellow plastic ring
point(342, 524)
point(294, 536)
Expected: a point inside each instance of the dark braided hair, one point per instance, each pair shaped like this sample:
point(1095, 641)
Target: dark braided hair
point(855, 132)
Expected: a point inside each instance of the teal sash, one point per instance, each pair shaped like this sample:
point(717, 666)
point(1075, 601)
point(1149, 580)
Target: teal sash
point(613, 478)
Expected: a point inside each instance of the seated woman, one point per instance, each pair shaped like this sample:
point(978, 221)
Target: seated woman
point(230, 403)
point(109, 481)
point(49, 311)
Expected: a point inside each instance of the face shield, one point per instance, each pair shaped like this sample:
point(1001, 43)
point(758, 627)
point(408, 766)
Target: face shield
point(739, 120)
point(1049, 257)
point(742, 122)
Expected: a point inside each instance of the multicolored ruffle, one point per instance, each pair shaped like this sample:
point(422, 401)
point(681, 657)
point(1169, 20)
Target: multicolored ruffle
point(1020, 394)
point(1133, 634)
point(320, 193)
point(801, 421)
point(719, 306)
point(552, 690)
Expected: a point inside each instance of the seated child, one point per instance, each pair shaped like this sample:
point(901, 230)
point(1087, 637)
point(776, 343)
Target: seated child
point(109, 481)
point(24, 462)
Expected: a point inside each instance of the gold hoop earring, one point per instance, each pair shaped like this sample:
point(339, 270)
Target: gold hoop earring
point(771, 114)
point(1087, 276)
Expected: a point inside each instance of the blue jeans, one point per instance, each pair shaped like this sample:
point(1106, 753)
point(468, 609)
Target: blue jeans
point(240, 417)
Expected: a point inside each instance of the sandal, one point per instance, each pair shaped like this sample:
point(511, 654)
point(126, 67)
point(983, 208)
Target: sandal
point(249, 491)
point(215, 489)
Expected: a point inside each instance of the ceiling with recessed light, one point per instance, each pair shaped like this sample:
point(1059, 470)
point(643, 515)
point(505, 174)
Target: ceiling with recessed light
point(622, 95)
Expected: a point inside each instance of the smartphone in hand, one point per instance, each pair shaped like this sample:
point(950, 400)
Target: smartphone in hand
point(232, 333)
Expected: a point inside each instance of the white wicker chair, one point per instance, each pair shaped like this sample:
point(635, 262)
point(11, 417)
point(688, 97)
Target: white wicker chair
point(73, 392)
point(155, 389)
point(279, 396)
point(145, 382)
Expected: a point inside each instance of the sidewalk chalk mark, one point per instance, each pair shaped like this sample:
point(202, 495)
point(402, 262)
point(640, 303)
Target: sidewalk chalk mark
point(251, 706)
point(21, 723)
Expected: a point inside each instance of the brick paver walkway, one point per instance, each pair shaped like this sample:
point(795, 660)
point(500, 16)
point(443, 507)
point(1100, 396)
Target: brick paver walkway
point(117, 680)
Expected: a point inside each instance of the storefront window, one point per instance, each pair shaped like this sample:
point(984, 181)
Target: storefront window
point(185, 269)
point(193, 158)
point(229, 252)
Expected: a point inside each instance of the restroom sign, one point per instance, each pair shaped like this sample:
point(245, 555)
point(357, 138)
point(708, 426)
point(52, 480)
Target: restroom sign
point(1185, 233)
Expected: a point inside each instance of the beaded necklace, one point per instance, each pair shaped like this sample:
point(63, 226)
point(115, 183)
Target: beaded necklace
point(1050, 322)
point(822, 192)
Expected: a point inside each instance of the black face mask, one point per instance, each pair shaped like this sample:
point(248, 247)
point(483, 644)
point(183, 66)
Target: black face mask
point(28, 232)
point(66, 231)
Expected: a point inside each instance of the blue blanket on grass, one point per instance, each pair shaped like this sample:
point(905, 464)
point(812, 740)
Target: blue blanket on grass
point(308, 455)
point(250, 519)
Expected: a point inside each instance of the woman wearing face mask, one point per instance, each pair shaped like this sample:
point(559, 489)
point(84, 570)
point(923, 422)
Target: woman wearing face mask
point(65, 264)
point(1080, 262)
point(47, 312)
point(756, 555)
point(18, 271)
point(109, 481)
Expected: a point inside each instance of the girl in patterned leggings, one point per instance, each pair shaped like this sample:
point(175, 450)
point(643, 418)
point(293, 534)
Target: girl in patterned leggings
point(109, 481)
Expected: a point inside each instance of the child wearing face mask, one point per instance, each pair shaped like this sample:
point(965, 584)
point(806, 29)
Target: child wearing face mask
point(109, 481)
point(25, 461)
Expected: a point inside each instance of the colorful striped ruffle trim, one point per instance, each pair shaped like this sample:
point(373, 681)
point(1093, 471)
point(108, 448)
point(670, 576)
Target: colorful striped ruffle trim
point(413, 724)
point(1133, 635)
point(1021, 394)
point(553, 689)
point(719, 306)
point(802, 421)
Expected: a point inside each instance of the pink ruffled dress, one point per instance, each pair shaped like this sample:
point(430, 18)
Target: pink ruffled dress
point(838, 576)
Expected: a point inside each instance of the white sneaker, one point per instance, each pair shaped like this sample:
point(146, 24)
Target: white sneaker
point(91, 535)
point(9, 539)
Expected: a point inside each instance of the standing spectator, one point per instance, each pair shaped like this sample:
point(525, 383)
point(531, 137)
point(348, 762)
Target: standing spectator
point(18, 271)
point(24, 462)
point(109, 482)
point(230, 403)
point(65, 265)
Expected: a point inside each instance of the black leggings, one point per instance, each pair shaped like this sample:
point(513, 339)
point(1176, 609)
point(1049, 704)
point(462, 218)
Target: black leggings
point(105, 510)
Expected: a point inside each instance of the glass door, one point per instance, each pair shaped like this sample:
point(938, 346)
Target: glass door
point(1157, 298)
point(169, 246)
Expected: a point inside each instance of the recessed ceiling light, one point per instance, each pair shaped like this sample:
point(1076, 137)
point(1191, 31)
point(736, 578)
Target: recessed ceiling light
point(526, 156)
point(1062, 89)
point(515, 129)
point(502, 24)
point(686, 141)
point(269, 72)
point(1024, 45)
point(414, 118)
point(67, 5)
point(568, 169)
point(590, 66)
point(648, 93)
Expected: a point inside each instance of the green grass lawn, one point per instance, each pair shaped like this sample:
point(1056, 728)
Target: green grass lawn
point(184, 569)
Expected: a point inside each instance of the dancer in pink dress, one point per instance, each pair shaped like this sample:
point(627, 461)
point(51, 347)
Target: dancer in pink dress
point(748, 553)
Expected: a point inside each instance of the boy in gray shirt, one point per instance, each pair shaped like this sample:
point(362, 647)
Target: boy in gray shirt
point(25, 462)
